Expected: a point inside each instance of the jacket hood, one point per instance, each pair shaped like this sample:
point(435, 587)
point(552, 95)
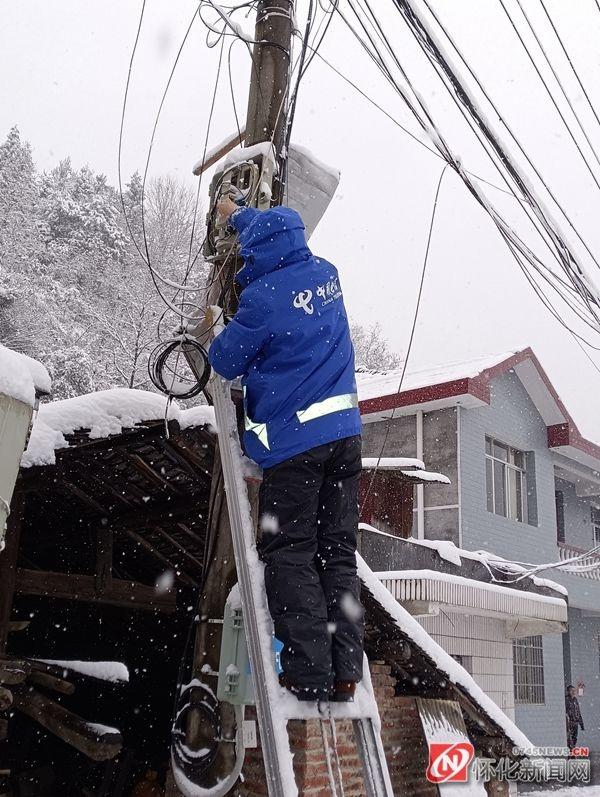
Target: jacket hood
point(273, 239)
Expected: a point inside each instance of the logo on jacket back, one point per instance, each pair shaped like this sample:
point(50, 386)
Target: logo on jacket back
point(302, 301)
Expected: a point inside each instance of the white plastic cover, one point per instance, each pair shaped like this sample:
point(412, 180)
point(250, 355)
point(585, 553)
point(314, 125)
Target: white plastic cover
point(311, 186)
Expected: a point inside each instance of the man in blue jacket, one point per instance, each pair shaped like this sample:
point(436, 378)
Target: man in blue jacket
point(290, 343)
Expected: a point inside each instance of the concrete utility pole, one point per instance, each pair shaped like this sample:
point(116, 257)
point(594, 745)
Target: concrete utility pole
point(266, 121)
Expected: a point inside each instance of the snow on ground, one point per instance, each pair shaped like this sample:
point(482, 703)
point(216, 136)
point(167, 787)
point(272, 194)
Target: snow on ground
point(105, 413)
point(21, 376)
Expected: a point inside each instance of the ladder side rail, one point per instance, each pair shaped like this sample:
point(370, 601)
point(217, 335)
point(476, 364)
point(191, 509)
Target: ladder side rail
point(372, 757)
point(243, 537)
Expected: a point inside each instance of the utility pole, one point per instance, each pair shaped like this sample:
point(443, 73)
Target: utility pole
point(266, 121)
point(269, 84)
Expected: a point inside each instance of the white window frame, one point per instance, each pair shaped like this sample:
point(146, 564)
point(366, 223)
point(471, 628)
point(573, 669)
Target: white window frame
point(510, 511)
point(528, 671)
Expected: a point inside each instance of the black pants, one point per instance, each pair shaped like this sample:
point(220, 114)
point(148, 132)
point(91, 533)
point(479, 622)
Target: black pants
point(572, 734)
point(309, 521)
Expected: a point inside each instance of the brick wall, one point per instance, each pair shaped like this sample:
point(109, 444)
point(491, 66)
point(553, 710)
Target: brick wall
point(402, 737)
point(403, 741)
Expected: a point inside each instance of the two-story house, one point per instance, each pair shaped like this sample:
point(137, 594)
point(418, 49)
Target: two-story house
point(524, 485)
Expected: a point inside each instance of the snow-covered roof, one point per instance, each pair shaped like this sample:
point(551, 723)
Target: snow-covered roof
point(105, 413)
point(468, 383)
point(21, 377)
point(450, 552)
point(450, 667)
point(372, 384)
point(413, 469)
point(392, 463)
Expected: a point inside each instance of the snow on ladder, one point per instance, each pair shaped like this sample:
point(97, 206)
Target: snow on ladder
point(274, 706)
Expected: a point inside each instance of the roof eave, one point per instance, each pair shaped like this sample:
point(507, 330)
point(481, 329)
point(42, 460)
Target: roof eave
point(566, 440)
point(470, 393)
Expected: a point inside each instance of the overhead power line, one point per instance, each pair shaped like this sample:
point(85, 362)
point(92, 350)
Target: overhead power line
point(581, 294)
point(570, 60)
point(547, 88)
point(411, 336)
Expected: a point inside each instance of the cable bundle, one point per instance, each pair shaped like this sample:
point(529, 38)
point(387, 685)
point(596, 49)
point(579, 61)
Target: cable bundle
point(165, 375)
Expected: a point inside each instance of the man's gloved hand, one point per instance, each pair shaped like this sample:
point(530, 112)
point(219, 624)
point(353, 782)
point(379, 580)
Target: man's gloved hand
point(214, 319)
point(225, 207)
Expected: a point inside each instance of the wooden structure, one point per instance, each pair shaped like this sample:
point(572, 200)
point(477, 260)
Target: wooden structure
point(104, 559)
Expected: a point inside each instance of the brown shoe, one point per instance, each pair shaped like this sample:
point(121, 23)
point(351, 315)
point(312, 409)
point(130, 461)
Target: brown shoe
point(303, 693)
point(343, 691)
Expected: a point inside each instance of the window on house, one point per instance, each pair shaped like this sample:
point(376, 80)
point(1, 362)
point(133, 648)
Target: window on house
point(506, 483)
point(464, 661)
point(596, 524)
point(528, 670)
point(560, 515)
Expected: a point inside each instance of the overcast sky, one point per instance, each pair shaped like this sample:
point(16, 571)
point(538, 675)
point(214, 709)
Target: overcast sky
point(64, 65)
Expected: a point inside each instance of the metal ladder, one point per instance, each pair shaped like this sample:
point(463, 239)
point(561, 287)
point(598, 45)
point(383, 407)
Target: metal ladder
point(272, 724)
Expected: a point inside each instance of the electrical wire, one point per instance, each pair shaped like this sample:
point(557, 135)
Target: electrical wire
point(558, 80)
point(510, 132)
point(547, 88)
point(561, 250)
point(156, 276)
point(411, 336)
point(571, 64)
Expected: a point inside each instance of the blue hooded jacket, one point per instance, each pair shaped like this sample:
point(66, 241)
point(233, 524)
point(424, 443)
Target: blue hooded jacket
point(289, 341)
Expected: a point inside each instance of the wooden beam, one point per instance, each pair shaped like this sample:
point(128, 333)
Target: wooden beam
point(51, 682)
point(6, 699)
point(8, 564)
point(172, 541)
point(157, 515)
point(18, 625)
point(69, 487)
point(148, 471)
point(95, 741)
point(67, 586)
point(161, 557)
point(188, 458)
point(215, 155)
point(191, 534)
point(104, 558)
point(13, 671)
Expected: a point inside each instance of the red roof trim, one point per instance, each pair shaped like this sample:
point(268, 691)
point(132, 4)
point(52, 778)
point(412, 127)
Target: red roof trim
point(421, 395)
point(558, 435)
point(562, 434)
point(567, 434)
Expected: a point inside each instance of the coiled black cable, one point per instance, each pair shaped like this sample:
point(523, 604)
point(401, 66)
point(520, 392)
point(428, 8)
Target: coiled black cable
point(164, 376)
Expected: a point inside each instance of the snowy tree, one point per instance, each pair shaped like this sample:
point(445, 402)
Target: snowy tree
point(75, 291)
point(164, 229)
point(21, 240)
point(371, 349)
point(82, 211)
point(20, 229)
